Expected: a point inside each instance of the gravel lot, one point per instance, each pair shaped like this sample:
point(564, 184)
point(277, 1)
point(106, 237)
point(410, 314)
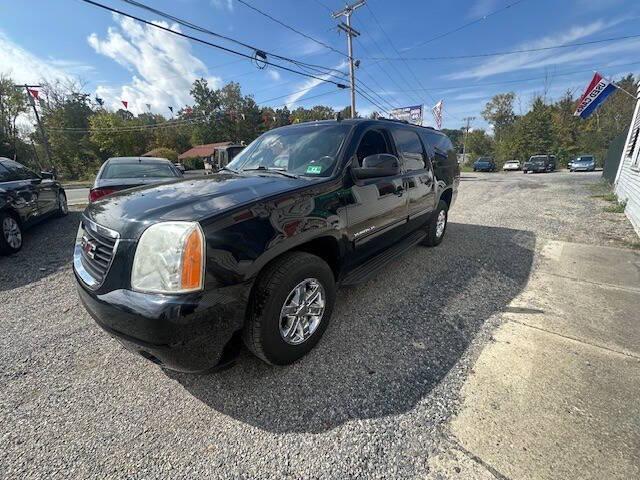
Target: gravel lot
point(370, 401)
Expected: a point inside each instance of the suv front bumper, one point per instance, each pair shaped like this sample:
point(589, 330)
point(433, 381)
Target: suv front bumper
point(187, 333)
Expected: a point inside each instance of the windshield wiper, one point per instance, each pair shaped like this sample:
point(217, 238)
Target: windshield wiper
point(262, 168)
point(229, 169)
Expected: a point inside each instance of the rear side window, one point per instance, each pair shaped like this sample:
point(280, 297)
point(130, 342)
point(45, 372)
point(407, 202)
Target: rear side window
point(19, 172)
point(440, 144)
point(410, 148)
point(5, 175)
point(137, 170)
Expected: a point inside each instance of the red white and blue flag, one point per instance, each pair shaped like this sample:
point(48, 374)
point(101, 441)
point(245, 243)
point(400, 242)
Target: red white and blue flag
point(596, 93)
point(437, 114)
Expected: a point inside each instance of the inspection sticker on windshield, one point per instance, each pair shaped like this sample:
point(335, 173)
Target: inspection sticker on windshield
point(314, 169)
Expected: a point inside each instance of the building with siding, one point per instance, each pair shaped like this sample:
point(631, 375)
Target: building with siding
point(627, 183)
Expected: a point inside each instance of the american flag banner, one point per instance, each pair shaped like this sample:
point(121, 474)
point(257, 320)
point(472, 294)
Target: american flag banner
point(437, 113)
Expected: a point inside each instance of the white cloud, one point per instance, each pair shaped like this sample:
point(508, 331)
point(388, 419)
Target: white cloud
point(274, 74)
point(481, 7)
point(309, 85)
point(162, 64)
point(223, 4)
point(531, 60)
point(26, 67)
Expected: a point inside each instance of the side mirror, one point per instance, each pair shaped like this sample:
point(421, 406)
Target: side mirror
point(378, 165)
point(47, 175)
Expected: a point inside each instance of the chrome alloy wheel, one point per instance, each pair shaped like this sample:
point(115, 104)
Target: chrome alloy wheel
point(11, 232)
point(441, 223)
point(302, 311)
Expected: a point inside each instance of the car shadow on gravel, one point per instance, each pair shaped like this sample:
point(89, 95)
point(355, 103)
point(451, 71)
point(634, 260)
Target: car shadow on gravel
point(392, 340)
point(47, 248)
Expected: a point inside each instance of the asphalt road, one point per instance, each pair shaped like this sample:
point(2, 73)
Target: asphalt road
point(371, 401)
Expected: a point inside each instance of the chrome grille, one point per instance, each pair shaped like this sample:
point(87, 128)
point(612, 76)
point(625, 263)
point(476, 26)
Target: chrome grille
point(95, 248)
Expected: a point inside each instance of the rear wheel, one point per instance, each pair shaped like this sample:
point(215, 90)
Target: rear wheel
point(290, 308)
point(63, 208)
point(10, 234)
point(437, 225)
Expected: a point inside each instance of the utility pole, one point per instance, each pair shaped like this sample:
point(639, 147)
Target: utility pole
point(351, 33)
point(40, 126)
point(464, 141)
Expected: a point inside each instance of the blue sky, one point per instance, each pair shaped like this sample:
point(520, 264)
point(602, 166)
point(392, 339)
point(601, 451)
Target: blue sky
point(121, 60)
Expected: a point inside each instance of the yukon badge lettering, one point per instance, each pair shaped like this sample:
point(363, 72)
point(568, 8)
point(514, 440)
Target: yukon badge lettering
point(366, 230)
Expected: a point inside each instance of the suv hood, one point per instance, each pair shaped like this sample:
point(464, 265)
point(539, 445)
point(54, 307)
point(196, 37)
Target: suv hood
point(130, 212)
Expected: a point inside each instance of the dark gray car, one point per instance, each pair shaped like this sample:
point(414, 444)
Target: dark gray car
point(26, 197)
point(120, 173)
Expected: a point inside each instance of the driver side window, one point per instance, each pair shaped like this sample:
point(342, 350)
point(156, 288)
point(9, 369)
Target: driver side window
point(372, 142)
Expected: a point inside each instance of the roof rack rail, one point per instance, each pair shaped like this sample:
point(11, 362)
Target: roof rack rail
point(406, 123)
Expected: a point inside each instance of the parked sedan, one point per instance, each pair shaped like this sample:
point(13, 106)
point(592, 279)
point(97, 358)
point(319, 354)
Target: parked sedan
point(484, 164)
point(511, 165)
point(584, 163)
point(120, 173)
point(25, 198)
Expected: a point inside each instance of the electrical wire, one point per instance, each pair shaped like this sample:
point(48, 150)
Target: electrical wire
point(200, 29)
point(205, 42)
point(370, 10)
point(289, 27)
point(465, 25)
point(511, 52)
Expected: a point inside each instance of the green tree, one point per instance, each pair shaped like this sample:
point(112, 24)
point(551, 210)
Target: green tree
point(479, 144)
point(498, 112)
point(13, 102)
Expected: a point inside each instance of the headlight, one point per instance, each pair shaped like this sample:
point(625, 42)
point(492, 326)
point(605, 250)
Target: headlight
point(169, 259)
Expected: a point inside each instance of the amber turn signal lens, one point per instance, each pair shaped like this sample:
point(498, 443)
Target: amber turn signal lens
point(192, 258)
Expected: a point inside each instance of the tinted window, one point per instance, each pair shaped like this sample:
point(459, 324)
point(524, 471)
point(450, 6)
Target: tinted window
point(437, 143)
point(373, 142)
point(5, 175)
point(19, 172)
point(138, 170)
point(409, 148)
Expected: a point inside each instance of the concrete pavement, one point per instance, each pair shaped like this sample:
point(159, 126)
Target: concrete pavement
point(555, 395)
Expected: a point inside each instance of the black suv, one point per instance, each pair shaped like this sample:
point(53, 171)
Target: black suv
point(179, 272)
point(540, 163)
point(25, 198)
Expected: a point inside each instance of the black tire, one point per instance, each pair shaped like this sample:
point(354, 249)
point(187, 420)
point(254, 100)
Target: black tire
point(6, 248)
point(63, 208)
point(433, 239)
point(272, 289)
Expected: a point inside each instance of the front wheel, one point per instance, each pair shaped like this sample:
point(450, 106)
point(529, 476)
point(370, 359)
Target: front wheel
point(10, 234)
point(290, 308)
point(437, 225)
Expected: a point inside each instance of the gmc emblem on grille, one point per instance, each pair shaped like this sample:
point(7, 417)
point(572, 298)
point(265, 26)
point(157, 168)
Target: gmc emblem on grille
point(89, 247)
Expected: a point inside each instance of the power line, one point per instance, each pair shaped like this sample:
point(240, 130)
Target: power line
point(415, 77)
point(465, 25)
point(198, 28)
point(511, 52)
point(529, 79)
point(205, 42)
point(293, 29)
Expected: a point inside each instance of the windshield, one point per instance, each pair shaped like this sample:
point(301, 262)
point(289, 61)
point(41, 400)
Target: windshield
point(484, 159)
point(584, 159)
point(538, 159)
point(137, 170)
point(305, 150)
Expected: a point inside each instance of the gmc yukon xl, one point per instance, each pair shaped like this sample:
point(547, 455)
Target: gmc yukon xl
point(180, 272)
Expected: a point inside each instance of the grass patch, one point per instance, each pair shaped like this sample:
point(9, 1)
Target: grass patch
point(617, 208)
point(633, 244)
point(599, 188)
point(466, 168)
point(609, 197)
